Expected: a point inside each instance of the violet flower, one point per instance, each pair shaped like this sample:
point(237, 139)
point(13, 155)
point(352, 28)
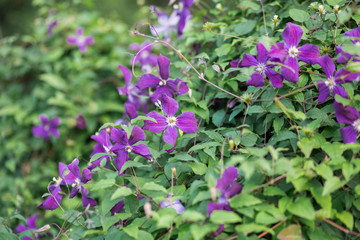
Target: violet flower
point(117, 208)
point(51, 27)
point(103, 145)
point(30, 224)
point(184, 15)
point(46, 128)
point(77, 181)
point(166, 23)
point(344, 56)
point(355, 34)
point(290, 52)
point(80, 121)
point(186, 121)
point(80, 40)
point(146, 59)
point(125, 145)
point(163, 85)
point(261, 68)
point(53, 200)
point(175, 204)
point(348, 115)
point(332, 82)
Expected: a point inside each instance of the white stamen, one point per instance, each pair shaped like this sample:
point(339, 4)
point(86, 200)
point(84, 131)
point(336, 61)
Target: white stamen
point(162, 83)
point(128, 149)
point(293, 52)
point(171, 121)
point(330, 83)
point(356, 125)
point(261, 67)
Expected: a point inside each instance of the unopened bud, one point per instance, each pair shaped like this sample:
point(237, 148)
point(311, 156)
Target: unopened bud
point(173, 171)
point(336, 9)
point(43, 229)
point(216, 68)
point(213, 194)
point(275, 19)
point(147, 209)
point(247, 98)
point(322, 9)
point(231, 144)
point(190, 93)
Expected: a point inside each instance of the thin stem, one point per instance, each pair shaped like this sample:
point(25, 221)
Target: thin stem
point(263, 11)
point(273, 227)
point(347, 231)
point(296, 91)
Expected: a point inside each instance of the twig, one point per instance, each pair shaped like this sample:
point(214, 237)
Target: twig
point(262, 6)
point(273, 227)
point(347, 231)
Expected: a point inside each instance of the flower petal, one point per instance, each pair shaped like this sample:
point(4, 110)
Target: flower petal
point(288, 74)
point(256, 80)
point(117, 208)
point(169, 105)
point(348, 134)
point(74, 168)
point(161, 90)
point(275, 78)
point(309, 53)
point(85, 199)
point(248, 61)
point(120, 159)
point(340, 91)
point(52, 202)
point(39, 131)
point(164, 64)
point(328, 65)
point(227, 178)
point(141, 150)
point(148, 80)
point(177, 86)
point(345, 114)
point(31, 221)
point(292, 34)
point(157, 126)
point(119, 136)
point(262, 53)
point(89, 40)
point(278, 52)
point(137, 134)
point(71, 40)
point(324, 91)
point(170, 135)
point(126, 73)
point(79, 31)
point(187, 122)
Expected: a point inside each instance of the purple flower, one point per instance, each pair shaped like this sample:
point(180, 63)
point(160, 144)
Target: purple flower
point(103, 145)
point(332, 82)
point(125, 145)
point(163, 85)
point(51, 27)
point(52, 202)
point(147, 59)
point(186, 121)
point(348, 115)
point(355, 34)
point(30, 224)
point(175, 204)
point(132, 92)
point(80, 121)
point(184, 15)
point(290, 51)
point(344, 56)
point(46, 128)
point(80, 40)
point(167, 23)
point(77, 182)
point(117, 208)
point(261, 68)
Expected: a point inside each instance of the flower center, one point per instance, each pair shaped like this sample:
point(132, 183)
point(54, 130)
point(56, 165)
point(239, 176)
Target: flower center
point(261, 68)
point(128, 149)
point(357, 44)
point(171, 121)
point(144, 54)
point(76, 183)
point(162, 83)
point(330, 82)
point(47, 127)
point(81, 40)
point(356, 125)
point(57, 180)
point(293, 52)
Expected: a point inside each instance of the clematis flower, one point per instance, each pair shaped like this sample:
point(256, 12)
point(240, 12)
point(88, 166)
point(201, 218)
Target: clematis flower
point(348, 115)
point(46, 128)
point(355, 34)
point(146, 59)
point(261, 68)
point(344, 56)
point(184, 15)
point(186, 121)
point(175, 204)
point(53, 200)
point(167, 23)
point(80, 121)
point(132, 91)
point(77, 182)
point(103, 145)
point(290, 52)
point(333, 81)
point(30, 224)
point(117, 208)
point(80, 40)
point(163, 85)
point(125, 145)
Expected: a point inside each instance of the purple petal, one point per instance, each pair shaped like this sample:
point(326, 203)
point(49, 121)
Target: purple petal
point(278, 52)
point(120, 159)
point(216, 206)
point(343, 76)
point(162, 90)
point(86, 176)
point(292, 34)
point(21, 228)
point(71, 40)
point(141, 150)
point(89, 40)
point(275, 78)
point(44, 119)
point(119, 136)
point(309, 53)
point(176, 204)
point(227, 178)
point(126, 73)
point(218, 231)
point(74, 191)
point(288, 73)
point(52, 202)
point(344, 57)
point(117, 208)
point(31, 221)
point(62, 167)
point(256, 80)
point(234, 189)
point(54, 131)
point(262, 53)
point(74, 168)
point(82, 47)
point(324, 91)
point(134, 46)
point(348, 134)
point(169, 105)
point(248, 61)
point(347, 114)
point(131, 110)
point(328, 65)
point(85, 199)
point(355, 33)
point(137, 135)
point(39, 131)
point(187, 122)
point(170, 135)
point(164, 64)
point(235, 63)
point(178, 86)
point(79, 31)
point(157, 126)
point(340, 91)
point(148, 80)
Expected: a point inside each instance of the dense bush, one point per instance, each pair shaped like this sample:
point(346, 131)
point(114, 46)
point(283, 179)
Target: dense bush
point(235, 120)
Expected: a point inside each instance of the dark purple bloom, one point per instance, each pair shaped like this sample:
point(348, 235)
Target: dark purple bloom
point(163, 85)
point(175, 204)
point(344, 56)
point(186, 121)
point(103, 145)
point(348, 115)
point(80, 40)
point(289, 52)
point(53, 200)
point(166, 23)
point(77, 181)
point(117, 208)
point(30, 224)
point(125, 145)
point(80, 121)
point(147, 59)
point(184, 14)
point(261, 68)
point(46, 128)
point(51, 27)
point(355, 34)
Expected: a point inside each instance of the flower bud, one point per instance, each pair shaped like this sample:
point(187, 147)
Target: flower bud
point(213, 194)
point(190, 93)
point(231, 144)
point(247, 98)
point(336, 9)
point(275, 19)
point(147, 209)
point(173, 171)
point(43, 229)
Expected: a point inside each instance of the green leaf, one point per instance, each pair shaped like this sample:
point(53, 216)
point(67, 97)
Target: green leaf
point(53, 80)
point(221, 217)
point(346, 218)
point(223, 50)
point(218, 117)
point(182, 157)
point(198, 167)
point(132, 230)
point(151, 186)
point(192, 216)
point(302, 207)
point(299, 15)
point(334, 2)
point(331, 185)
point(107, 222)
point(138, 119)
point(353, 67)
point(129, 164)
point(121, 192)
point(244, 200)
point(199, 232)
point(104, 183)
point(245, 27)
point(251, 227)
point(291, 232)
point(273, 191)
point(8, 236)
point(96, 156)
